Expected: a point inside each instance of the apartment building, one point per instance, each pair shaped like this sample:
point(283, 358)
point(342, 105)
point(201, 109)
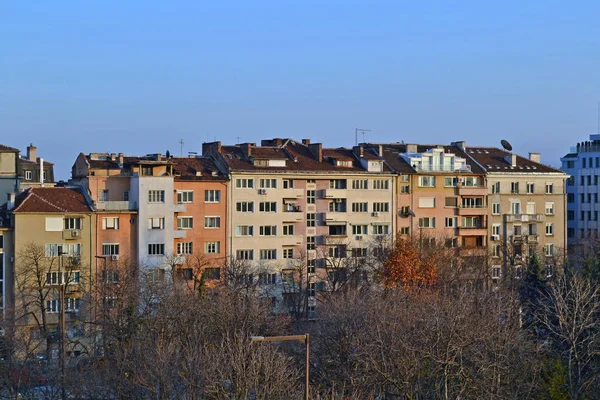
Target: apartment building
point(48, 270)
point(35, 171)
point(9, 172)
point(582, 164)
point(526, 209)
point(297, 202)
point(441, 195)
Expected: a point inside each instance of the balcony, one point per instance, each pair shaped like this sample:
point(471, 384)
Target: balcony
point(472, 210)
point(336, 193)
point(525, 217)
point(472, 190)
point(516, 238)
point(333, 217)
point(293, 193)
point(336, 239)
point(532, 238)
point(116, 205)
point(179, 208)
point(479, 230)
point(180, 233)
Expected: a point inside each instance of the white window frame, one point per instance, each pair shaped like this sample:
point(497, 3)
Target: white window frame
point(267, 206)
point(427, 222)
point(267, 183)
point(496, 209)
point(244, 254)
point(381, 184)
point(212, 247)
point(156, 249)
point(268, 254)
point(185, 248)
point(244, 230)
point(549, 229)
point(156, 223)
point(270, 229)
point(426, 181)
point(549, 208)
point(212, 222)
point(361, 207)
point(185, 196)
point(156, 196)
point(72, 223)
point(360, 184)
point(382, 229)
point(110, 249)
point(185, 222)
point(212, 196)
point(244, 183)
point(288, 253)
point(110, 223)
point(288, 230)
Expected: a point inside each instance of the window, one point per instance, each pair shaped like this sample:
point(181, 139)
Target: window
point(244, 230)
point(244, 254)
point(110, 249)
point(529, 187)
point(212, 222)
point(381, 207)
point(156, 249)
point(496, 187)
point(125, 195)
point(267, 279)
point(514, 187)
point(550, 187)
point(404, 230)
point(570, 198)
point(244, 206)
point(359, 229)
point(156, 223)
point(470, 222)
point(212, 247)
point(104, 195)
point(496, 271)
point(311, 196)
point(381, 229)
point(582, 197)
point(337, 184)
point(147, 170)
point(582, 215)
point(110, 223)
point(212, 196)
point(360, 184)
point(515, 207)
point(185, 222)
point(184, 248)
point(496, 230)
point(549, 209)
point(584, 162)
point(589, 180)
point(244, 183)
point(55, 250)
point(288, 253)
point(268, 183)
point(52, 306)
point(311, 243)
point(288, 230)
point(451, 222)
point(268, 254)
point(359, 252)
point(28, 175)
point(404, 189)
point(450, 181)
point(72, 223)
point(549, 229)
point(311, 266)
point(549, 249)
point(156, 196)
point(570, 164)
point(61, 278)
point(288, 183)
point(72, 304)
point(268, 230)
point(496, 208)
point(582, 180)
point(212, 273)
point(404, 178)
point(185, 196)
point(451, 202)
point(381, 184)
point(426, 181)
point(267, 206)
point(426, 202)
point(311, 219)
point(360, 207)
point(427, 222)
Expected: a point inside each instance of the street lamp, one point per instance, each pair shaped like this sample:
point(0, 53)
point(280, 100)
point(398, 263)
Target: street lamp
point(289, 338)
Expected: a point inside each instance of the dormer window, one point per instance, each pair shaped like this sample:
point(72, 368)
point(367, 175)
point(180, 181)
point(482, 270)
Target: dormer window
point(261, 163)
point(28, 175)
point(343, 163)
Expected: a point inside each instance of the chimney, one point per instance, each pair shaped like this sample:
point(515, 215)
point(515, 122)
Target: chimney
point(247, 149)
point(317, 151)
point(209, 148)
point(121, 159)
point(113, 157)
point(10, 204)
point(535, 157)
point(278, 142)
point(306, 142)
point(31, 152)
point(460, 144)
point(41, 172)
point(411, 148)
point(358, 150)
point(511, 159)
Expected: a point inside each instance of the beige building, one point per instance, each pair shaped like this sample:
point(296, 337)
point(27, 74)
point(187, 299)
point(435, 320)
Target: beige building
point(49, 271)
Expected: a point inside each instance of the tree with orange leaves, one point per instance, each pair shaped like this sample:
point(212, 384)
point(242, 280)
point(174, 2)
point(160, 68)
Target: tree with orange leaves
point(411, 265)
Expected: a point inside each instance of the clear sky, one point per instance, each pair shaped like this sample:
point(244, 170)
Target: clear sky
point(138, 76)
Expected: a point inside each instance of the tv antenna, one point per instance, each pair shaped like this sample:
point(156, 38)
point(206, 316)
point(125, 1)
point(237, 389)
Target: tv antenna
point(363, 131)
point(181, 144)
point(238, 139)
point(507, 146)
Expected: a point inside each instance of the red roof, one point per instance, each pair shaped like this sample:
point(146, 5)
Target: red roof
point(196, 168)
point(493, 160)
point(52, 200)
point(8, 149)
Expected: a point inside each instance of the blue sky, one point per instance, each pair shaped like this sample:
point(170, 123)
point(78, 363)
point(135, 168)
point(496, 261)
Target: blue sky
point(138, 76)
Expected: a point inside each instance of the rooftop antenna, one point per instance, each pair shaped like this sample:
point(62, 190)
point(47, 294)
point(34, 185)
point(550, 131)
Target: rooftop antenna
point(238, 139)
point(181, 144)
point(361, 131)
point(507, 146)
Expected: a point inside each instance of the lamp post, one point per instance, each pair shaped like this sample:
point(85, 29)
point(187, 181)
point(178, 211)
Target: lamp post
point(290, 338)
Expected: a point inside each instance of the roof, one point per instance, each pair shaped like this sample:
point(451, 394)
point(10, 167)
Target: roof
point(493, 160)
point(298, 156)
point(37, 162)
point(8, 149)
point(108, 163)
point(51, 200)
point(196, 168)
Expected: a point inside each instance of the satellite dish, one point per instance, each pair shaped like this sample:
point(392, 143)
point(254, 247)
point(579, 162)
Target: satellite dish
point(406, 214)
point(411, 213)
point(507, 146)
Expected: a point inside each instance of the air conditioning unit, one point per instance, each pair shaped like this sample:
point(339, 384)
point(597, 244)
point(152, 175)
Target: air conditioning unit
point(114, 257)
point(495, 237)
point(358, 237)
point(375, 214)
point(76, 260)
point(461, 180)
point(262, 191)
point(75, 233)
point(337, 200)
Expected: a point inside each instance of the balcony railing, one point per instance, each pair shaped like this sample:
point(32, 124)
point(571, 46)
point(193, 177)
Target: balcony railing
point(116, 205)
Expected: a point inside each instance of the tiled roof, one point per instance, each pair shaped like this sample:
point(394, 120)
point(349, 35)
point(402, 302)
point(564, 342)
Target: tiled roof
point(493, 160)
point(52, 200)
point(8, 149)
point(37, 162)
point(188, 169)
point(127, 160)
